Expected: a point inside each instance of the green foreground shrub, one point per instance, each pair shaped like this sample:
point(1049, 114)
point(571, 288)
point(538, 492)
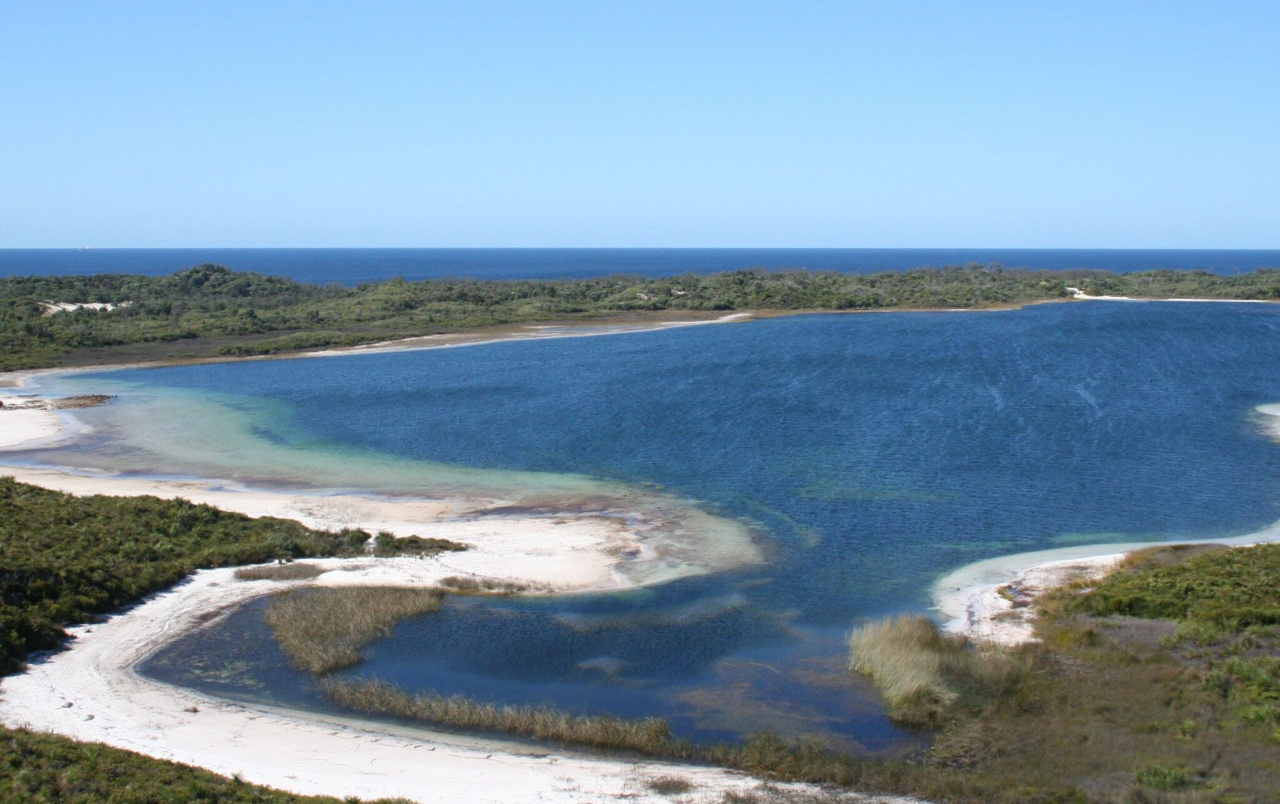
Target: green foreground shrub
point(40, 768)
point(66, 559)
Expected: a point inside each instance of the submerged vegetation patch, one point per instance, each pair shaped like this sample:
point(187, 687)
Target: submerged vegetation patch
point(322, 629)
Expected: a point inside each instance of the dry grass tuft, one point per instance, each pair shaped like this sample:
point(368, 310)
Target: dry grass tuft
point(292, 571)
point(927, 675)
point(669, 785)
point(322, 629)
point(491, 586)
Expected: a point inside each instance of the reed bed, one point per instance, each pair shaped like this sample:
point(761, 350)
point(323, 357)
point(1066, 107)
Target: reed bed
point(322, 629)
point(465, 585)
point(926, 675)
point(292, 571)
point(649, 736)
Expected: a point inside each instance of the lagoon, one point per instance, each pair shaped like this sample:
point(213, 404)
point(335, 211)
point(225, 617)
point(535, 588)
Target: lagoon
point(866, 454)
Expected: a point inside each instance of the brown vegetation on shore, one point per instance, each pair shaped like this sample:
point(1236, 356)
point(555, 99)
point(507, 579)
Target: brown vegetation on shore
point(465, 585)
point(291, 571)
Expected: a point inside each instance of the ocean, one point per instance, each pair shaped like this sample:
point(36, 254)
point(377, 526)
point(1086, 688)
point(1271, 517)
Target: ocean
point(351, 266)
point(868, 454)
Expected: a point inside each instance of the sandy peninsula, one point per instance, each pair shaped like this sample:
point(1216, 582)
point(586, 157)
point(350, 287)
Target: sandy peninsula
point(991, 601)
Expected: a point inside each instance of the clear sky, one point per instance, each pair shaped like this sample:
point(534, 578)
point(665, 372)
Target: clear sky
point(461, 123)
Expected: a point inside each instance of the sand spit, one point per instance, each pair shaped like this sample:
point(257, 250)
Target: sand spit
point(525, 332)
point(991, 600)
point(565, 550)
point(31, 421)
point(90, 692)
point(1077, 293)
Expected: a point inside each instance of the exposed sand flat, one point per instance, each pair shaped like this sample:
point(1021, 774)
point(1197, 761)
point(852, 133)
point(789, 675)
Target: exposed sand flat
point(523, 332)
point(970, 602)
point(90, 692)
point(22, 426)
point(567, 551)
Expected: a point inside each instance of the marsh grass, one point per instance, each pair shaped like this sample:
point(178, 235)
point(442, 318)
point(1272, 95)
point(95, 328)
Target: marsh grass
point(292, 571)
point(927, 676)
point(322, 629)
point(649, 735)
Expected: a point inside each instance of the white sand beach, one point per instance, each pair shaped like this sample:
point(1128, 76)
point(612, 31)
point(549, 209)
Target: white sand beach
point(24, 425)
point(1077, 293)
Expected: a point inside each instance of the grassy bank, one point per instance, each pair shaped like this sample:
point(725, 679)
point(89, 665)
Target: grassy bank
point(322, 629)
point(208, 310)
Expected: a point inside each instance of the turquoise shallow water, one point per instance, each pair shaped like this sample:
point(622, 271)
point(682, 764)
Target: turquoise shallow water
point(870, 454)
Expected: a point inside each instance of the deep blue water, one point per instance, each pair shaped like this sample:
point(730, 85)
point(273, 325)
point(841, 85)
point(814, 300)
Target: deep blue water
point(873, 453)
point(352, 266)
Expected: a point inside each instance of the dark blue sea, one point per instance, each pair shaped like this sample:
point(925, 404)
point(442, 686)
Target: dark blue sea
point(351, 266)
point(869, 454)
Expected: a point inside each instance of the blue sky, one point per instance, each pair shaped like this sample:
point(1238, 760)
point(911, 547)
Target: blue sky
point(897, 124)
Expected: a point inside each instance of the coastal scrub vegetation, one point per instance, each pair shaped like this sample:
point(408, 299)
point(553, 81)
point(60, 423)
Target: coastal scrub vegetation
point(210, 310)
point(325, 628)
point(1158, 683)
point(66, 559)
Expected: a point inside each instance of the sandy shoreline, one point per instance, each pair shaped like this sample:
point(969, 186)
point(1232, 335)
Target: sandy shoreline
point(450, 340)
point(969, 601)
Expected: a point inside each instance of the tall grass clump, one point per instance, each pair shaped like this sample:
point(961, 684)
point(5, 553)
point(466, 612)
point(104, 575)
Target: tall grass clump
point(292, 571)
point(927, 676)
point(649, 736)
point(322, 629)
